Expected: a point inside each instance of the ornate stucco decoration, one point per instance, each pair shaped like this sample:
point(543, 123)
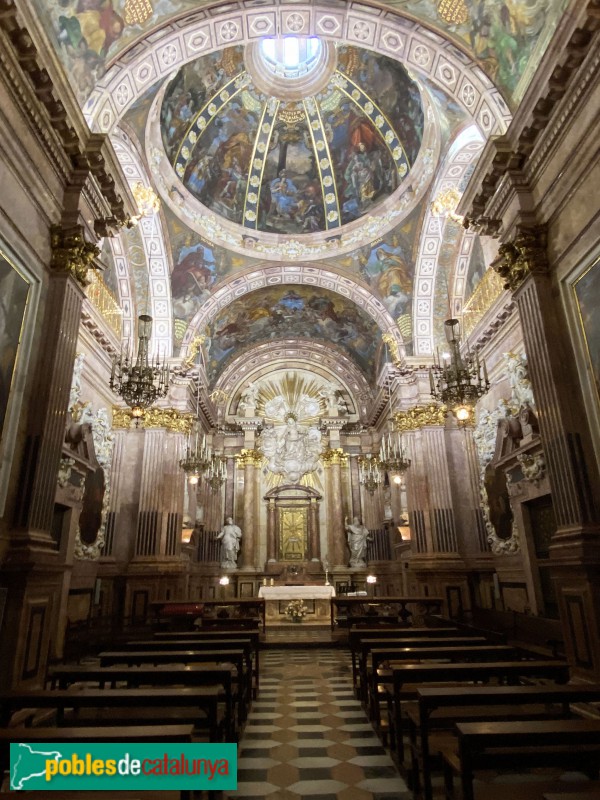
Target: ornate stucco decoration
point(515, 412)
point(533, 466)
point(65, 468)
point(292, 451)
point(169, 418)
point(71, 253)
point(523, 256)
point(420, 417)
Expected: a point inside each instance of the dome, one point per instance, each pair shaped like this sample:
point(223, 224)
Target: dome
point(291, 136)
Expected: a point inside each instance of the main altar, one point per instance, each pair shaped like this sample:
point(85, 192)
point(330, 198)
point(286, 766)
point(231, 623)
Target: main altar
point(317, 599)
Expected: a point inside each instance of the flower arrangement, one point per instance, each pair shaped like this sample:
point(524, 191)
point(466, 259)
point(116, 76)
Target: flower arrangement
point(296, 609)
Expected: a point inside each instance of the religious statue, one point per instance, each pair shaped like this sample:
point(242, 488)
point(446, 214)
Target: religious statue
point(358, 536)
point(230, 544)
point(292, 452)
point(333, 402)
point(249, 398)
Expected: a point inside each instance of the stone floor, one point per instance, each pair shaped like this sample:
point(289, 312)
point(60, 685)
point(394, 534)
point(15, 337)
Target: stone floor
point(308, 737)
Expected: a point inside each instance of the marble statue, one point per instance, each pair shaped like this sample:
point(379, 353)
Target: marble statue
point(230, 537)
point(292, 452)
point(333, 402)
point(358, 537)
point(249, 397)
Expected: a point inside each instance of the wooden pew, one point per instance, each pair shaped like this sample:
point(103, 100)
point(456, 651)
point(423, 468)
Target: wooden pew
point(366, 646)
point(465, 702)
point(455, 673)
point(241, 658)
point(516, 745)
point(349, 608)
point(356, 635)
point(216, 639)
point(202, 702)
point(395, 655)
point(193, 675)
point(246, 612)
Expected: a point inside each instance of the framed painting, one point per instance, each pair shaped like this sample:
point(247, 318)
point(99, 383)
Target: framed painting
point(15, 291)
point(587, 297)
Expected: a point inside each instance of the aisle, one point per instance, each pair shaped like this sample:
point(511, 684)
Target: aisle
point(307, 736)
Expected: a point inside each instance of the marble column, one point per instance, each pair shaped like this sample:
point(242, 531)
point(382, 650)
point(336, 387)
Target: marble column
point(250, 515)
point(314, 543)
point(47, 424)
point(230, 487)
point(574, 560)
point(441, 510)
point(355, 486)
point(271, 532)
point(150, 509)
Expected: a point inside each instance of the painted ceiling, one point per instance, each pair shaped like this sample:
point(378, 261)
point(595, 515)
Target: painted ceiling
point(291, 312)
point(292, 166)
point(340, 176)
point(507, 38)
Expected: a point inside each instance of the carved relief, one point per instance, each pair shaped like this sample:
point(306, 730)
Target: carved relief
point(525, 255)
point(71, 253)
point(533, 467)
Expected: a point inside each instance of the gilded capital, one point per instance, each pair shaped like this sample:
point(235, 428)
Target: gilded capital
point(168, 418)
point(419, 417)
point(249, 458)
point(71, 253)
point(525, 255)
point(335, 456)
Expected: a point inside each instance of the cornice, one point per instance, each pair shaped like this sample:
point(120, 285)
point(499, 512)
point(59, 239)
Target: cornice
point(544, 110)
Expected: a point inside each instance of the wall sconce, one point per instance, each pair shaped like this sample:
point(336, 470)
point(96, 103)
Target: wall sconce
point(186, 535)
point(224, 581)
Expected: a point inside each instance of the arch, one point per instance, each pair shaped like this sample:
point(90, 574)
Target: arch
point(327, 360)
point(155, 249)
point(297, 488)
point(463, 153)
point(265, 276)
point(387, 33)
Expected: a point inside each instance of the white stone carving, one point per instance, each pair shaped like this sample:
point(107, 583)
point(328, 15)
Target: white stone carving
point(522, 393)
point(292, 451)
point(64, 472)
point(249, 398)
point(76, 380)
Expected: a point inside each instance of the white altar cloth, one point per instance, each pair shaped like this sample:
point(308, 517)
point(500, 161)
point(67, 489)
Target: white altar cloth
point(296, 592)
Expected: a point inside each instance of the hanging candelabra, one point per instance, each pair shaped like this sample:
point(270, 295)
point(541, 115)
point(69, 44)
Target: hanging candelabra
point(370, 473)
point(197, 457)
point(458, 381)
point(217, 473)
point(140, 382)
point(392, 455)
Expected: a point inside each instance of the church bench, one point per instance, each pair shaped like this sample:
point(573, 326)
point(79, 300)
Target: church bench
point(201, 703)
point(366, 646)
point(241, 658)
point(518, 745)
point(349, 608)
point(216, 640)
point(357, 635)
point(406, 679)
point(123, 733)
point(466, 702)
point(133, 677)
point(383, 660)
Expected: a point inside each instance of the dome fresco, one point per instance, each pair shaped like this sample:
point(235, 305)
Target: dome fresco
point(292, 166)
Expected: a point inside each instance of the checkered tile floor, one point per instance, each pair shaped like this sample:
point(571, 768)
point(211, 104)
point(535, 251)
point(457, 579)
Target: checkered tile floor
point(307, 736)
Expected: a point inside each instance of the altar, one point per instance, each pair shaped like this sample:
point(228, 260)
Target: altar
point(317, 600)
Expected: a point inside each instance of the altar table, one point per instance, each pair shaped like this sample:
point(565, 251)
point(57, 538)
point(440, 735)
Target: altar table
point(316, 598)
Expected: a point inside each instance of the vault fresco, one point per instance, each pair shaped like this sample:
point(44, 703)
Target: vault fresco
point(507, 38)
point(291, 312)
point(292, 167)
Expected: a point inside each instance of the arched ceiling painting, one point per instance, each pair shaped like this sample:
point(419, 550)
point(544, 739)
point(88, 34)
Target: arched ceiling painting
point(507, 38)
point(339, 175)
point(291, 312)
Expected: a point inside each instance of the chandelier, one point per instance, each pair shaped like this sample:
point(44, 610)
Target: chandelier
point(197, 457)
point(392, 455)
point(369, 473)
point(141, 382)
point(457, 381)
point(216, 474)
